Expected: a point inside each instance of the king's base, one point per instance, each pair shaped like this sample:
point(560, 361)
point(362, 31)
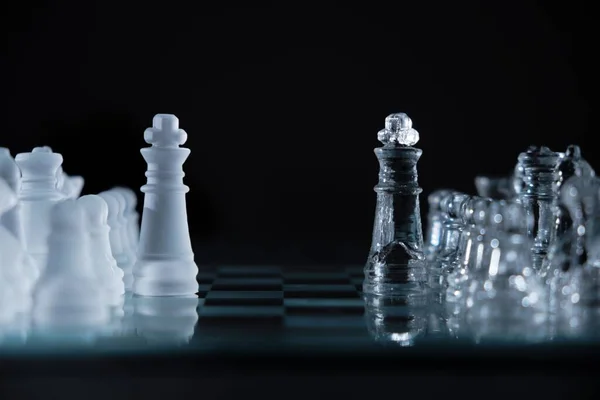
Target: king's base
point(165, 277)
point(395, 279)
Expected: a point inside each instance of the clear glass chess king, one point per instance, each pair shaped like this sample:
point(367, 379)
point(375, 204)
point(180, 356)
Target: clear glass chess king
point(396, 263)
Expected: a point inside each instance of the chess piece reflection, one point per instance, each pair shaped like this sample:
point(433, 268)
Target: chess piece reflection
point(163, 320)
point(396, 263)
point(396, 320)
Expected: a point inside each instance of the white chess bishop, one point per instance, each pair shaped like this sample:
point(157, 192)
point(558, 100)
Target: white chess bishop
point(37, 195)
point(165, 260)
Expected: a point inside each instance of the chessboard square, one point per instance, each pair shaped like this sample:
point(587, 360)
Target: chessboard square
point(246, 297)
point(247, 284)
point(203, 289)
point(325, 323)
point(356, 270)
point(249, 271)
point(319, 291)
point(325, 303)
point(315, 277)
point(324, 306)
point(205, 277)
point(240, 311)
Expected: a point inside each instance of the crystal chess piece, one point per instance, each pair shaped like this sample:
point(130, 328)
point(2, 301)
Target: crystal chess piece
point(572, 268)
point(396, 263)
point(571, 164)
point(507, 299)
point(435, 223)
point(165, 260)
point(539, 198)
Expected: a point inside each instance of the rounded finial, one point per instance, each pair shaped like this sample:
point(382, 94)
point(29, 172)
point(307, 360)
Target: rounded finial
point(42, 149)
point(130, 197)
point(398, 130)
point(573, 151)
point(95, 208)
point(121, 200)
point(165, 132)
point(113, 206)
point(67, 214)
point(435, 198)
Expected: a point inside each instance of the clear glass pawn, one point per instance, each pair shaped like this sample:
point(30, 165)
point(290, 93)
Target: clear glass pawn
point(435, 223)
point(475, 218)
point(448, 253)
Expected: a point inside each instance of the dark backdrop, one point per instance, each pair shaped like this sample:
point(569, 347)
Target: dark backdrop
point(282, 103)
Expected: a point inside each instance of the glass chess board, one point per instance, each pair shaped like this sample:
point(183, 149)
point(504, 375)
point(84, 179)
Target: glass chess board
point(280, 327)
point(261, 309)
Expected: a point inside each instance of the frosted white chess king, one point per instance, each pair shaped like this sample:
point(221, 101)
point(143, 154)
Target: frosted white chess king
point(165, 261)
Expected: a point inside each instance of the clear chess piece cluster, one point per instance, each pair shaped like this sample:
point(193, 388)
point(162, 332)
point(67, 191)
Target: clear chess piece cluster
point(517, 259)
point(69, 261)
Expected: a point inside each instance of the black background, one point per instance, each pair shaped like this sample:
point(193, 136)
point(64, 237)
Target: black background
point(282, 103)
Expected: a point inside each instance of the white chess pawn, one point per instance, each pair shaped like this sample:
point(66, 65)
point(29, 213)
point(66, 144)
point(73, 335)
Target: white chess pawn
point(12, 219)
point(124, 225)
point(116, 242)
point(131, 215)
point(38, 194)
point(67, 293)
point(104, 264)
point(165, 264)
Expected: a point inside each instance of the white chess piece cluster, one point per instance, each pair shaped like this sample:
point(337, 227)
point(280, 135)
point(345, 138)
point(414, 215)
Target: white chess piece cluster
point(67, 259)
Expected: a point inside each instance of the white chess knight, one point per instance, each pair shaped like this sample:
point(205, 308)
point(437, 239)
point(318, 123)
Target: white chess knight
point(69, 186)
point(165, 260)
point(123, 258)
point(37, 195)
point(67, 293)
point(110, 276)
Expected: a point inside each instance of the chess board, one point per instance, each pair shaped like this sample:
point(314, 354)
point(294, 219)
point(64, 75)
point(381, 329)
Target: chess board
point(243, 306)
